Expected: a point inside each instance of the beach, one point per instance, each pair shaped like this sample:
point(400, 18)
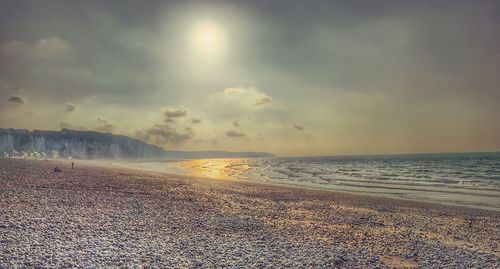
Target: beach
point(98, 215)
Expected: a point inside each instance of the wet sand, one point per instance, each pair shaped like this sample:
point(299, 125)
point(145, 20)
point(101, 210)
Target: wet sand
point(94, 216)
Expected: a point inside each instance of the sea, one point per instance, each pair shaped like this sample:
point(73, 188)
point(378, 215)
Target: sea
point(467, 179)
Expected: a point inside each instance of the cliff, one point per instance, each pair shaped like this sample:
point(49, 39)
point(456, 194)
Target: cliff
point(95, 145)
point(75, 144)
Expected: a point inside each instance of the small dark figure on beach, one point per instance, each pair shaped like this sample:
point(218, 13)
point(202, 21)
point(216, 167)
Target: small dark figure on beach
point(72, 165)
point(57, 170)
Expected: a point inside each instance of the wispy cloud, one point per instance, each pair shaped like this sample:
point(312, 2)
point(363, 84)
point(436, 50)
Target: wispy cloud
point(298, 127)
point(65, 125)
point(263, 101)
point(48, 49)
point(105, 125)
point(70, 107)
point(250, 98)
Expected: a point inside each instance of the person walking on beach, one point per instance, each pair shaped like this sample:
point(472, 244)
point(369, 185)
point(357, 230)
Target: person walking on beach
point(72, 165)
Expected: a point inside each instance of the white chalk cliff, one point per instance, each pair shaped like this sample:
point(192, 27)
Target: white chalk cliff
point(75, 144)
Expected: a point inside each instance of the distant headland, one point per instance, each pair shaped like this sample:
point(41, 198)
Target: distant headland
point(36, 144)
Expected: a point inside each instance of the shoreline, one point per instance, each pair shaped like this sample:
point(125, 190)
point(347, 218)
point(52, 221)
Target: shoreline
point(107, 216)
point(332, 188)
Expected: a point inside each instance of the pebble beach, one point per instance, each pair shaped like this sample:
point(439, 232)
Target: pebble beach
point(98, 216)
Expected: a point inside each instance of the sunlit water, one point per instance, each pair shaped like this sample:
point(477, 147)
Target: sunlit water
point(468, 179)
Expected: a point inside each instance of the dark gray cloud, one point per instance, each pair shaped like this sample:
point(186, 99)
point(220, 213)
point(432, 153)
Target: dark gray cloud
point(232, 133)
point(333, 44)
point(16, 99)
point(175, 113)
point(195, 120)
point(57, 62)
point(163, 134)
point(171, 114)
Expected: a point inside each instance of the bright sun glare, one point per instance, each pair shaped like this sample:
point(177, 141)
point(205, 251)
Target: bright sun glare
point(207, 39)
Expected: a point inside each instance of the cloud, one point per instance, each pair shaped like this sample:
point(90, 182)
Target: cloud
point(236, 123)
point(101, 120)
point(298, 127)
point(234, 134)
point(48, 69)
point(71, 69)
point(175, 112)
point(105, 126)
point(164, 134)
point(108, 127)
point(250, 98)
point(48, 49)
point(263, 101)
point(65, 125)
point(16, 99)
point(70, 107)
point(195, 120)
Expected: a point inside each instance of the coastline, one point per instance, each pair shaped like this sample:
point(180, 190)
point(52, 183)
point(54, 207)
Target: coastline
point(350, 188)
point(105, 216)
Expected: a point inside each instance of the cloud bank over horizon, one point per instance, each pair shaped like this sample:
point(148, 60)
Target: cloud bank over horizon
point(291, 77)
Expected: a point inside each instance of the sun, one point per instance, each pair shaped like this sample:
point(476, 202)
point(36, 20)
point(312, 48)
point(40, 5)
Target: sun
point(207, 39)
point(208, 35)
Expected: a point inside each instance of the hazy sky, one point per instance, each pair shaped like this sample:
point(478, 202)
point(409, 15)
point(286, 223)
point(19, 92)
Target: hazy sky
point(288, 77)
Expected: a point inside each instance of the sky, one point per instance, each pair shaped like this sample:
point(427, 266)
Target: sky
point(288, 77)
